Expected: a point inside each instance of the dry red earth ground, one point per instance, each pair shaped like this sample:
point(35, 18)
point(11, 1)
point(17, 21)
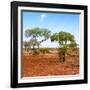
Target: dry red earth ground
point(48, 64)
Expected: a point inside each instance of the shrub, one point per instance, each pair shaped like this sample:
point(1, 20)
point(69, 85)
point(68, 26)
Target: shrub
point(44, 50)
point(35, 52)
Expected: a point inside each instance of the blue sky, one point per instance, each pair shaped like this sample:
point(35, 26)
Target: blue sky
point(55, 22)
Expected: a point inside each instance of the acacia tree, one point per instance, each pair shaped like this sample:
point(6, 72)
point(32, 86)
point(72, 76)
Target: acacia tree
point(36, 33)
point(66, 42)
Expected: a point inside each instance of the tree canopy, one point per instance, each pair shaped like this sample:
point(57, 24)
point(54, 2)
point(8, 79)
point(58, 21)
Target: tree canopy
point(63, 38)
point(35, 33)
point(38, 32)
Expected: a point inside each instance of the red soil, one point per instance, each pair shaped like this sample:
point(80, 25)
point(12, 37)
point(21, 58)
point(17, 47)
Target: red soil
point(48, 64)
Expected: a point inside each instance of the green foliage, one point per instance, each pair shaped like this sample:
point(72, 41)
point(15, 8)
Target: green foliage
point(62, 37)
point(73, 44)
point(66, 42)
point(65, 37)
point(38, 32)
point(54, 37)
point(34, 33)
point(46, 33)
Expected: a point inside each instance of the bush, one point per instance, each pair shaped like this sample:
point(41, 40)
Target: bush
point(35, 52)
point(44, 50)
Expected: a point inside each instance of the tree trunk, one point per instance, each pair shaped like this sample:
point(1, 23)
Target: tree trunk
point(38, 46)
point(65, 42)
point(33, 46)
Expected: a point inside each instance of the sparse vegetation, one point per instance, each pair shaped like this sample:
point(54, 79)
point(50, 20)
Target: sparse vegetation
point(65, 40)
point(49, 64)
point(44, 50)
point(48, 58)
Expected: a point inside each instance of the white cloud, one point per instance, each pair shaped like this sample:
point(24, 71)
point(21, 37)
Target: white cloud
point(42, 17)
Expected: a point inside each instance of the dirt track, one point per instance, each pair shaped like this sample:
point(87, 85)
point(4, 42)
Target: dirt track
point(48, 64)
